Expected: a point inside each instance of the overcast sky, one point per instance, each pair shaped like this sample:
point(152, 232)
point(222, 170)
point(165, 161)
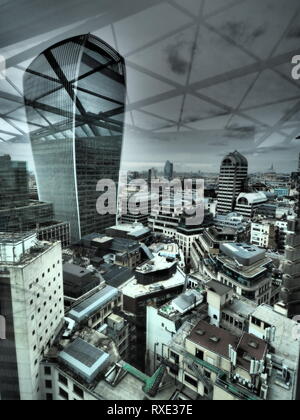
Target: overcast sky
point(204, 77)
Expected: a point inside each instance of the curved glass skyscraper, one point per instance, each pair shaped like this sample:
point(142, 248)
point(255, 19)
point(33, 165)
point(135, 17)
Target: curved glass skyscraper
point(75, 91)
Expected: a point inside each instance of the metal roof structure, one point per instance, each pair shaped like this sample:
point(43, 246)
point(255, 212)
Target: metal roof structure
point(89, 306)
point(84, 359)
point(222, 67)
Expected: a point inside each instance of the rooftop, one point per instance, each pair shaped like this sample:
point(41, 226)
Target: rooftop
point(91, 305)
point(84, 359)
point(115, 275)
point(218, 288)
point(243, 253)
point(240, 307)
point(287, 347)
point(135, 290)
point(253, 198)
point(250, 347)
point(213, 339)
point(250, 272)
point(75, 270)
point(134, 230)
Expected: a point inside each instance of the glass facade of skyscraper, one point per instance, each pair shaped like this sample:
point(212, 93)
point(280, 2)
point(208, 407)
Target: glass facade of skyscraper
point(75, 91)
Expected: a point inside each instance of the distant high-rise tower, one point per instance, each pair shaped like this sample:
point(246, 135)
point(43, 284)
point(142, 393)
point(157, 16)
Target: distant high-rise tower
point(232, 181)
point(14, 187)
point(169, 170)
point(75, 91)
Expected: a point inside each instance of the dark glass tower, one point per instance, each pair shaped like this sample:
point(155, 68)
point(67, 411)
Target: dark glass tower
point(75, 91)
point(14, 189)
point(169, 170)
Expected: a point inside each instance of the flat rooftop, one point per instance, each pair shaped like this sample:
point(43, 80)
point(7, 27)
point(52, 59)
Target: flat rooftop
point(218, 288)
point(287, 348)
point(251, 271)
point(91, 305)
point(84, 359)
point(158, 263)
point(75, 270)
point(243, 253)
point(135, 290)
point(240, 307)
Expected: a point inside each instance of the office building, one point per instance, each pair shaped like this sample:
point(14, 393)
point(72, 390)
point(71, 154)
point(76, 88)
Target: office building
point(31, 300)
point(291, 269)
point(263, 235)
point(169, 170)
point(14, 189)
point(248, 203)
point(232, 181)
point(75, 90)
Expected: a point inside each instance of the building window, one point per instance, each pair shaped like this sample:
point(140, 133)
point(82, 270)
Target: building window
point(175, 357)
point(47, 370)
point(191, 381)
point(63, 380)
point(63, 394)
point(78, 391)
point(200, 354)
point(49, 397)
point(48, 384)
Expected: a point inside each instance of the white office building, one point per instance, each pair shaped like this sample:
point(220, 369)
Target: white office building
point(31, 301)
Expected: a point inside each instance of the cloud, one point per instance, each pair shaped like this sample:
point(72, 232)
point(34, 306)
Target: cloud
point(175, 58)
point(294, 32)
point(240, 33)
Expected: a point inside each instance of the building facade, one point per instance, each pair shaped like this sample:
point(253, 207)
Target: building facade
point(76, 91)
point(31, 301)
point(232, 181)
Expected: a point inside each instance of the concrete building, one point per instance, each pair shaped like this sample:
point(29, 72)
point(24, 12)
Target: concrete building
point(79, 283)
point(259, 363)
point(135, 206)
point(263, 235)
point(247, 203)
point(247, 270)
point(208, 243)
point(291, 269)
point(232, 181)
point(31, 301)
point(163, 321)
point(88, 367)
point(94, 311)
point(119, 251)
point(133, 231)
point(232, 221)
point(269, 234)
point(156, 281)
point(35, 216)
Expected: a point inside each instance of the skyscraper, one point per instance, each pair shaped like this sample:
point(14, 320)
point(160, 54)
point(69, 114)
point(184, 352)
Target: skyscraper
point(75, 91)
point(232, 181)
point(169, 170)
point(32, 304)
point(14, 189)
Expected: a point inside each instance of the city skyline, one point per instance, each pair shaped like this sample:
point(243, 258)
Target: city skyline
point(149, 202)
